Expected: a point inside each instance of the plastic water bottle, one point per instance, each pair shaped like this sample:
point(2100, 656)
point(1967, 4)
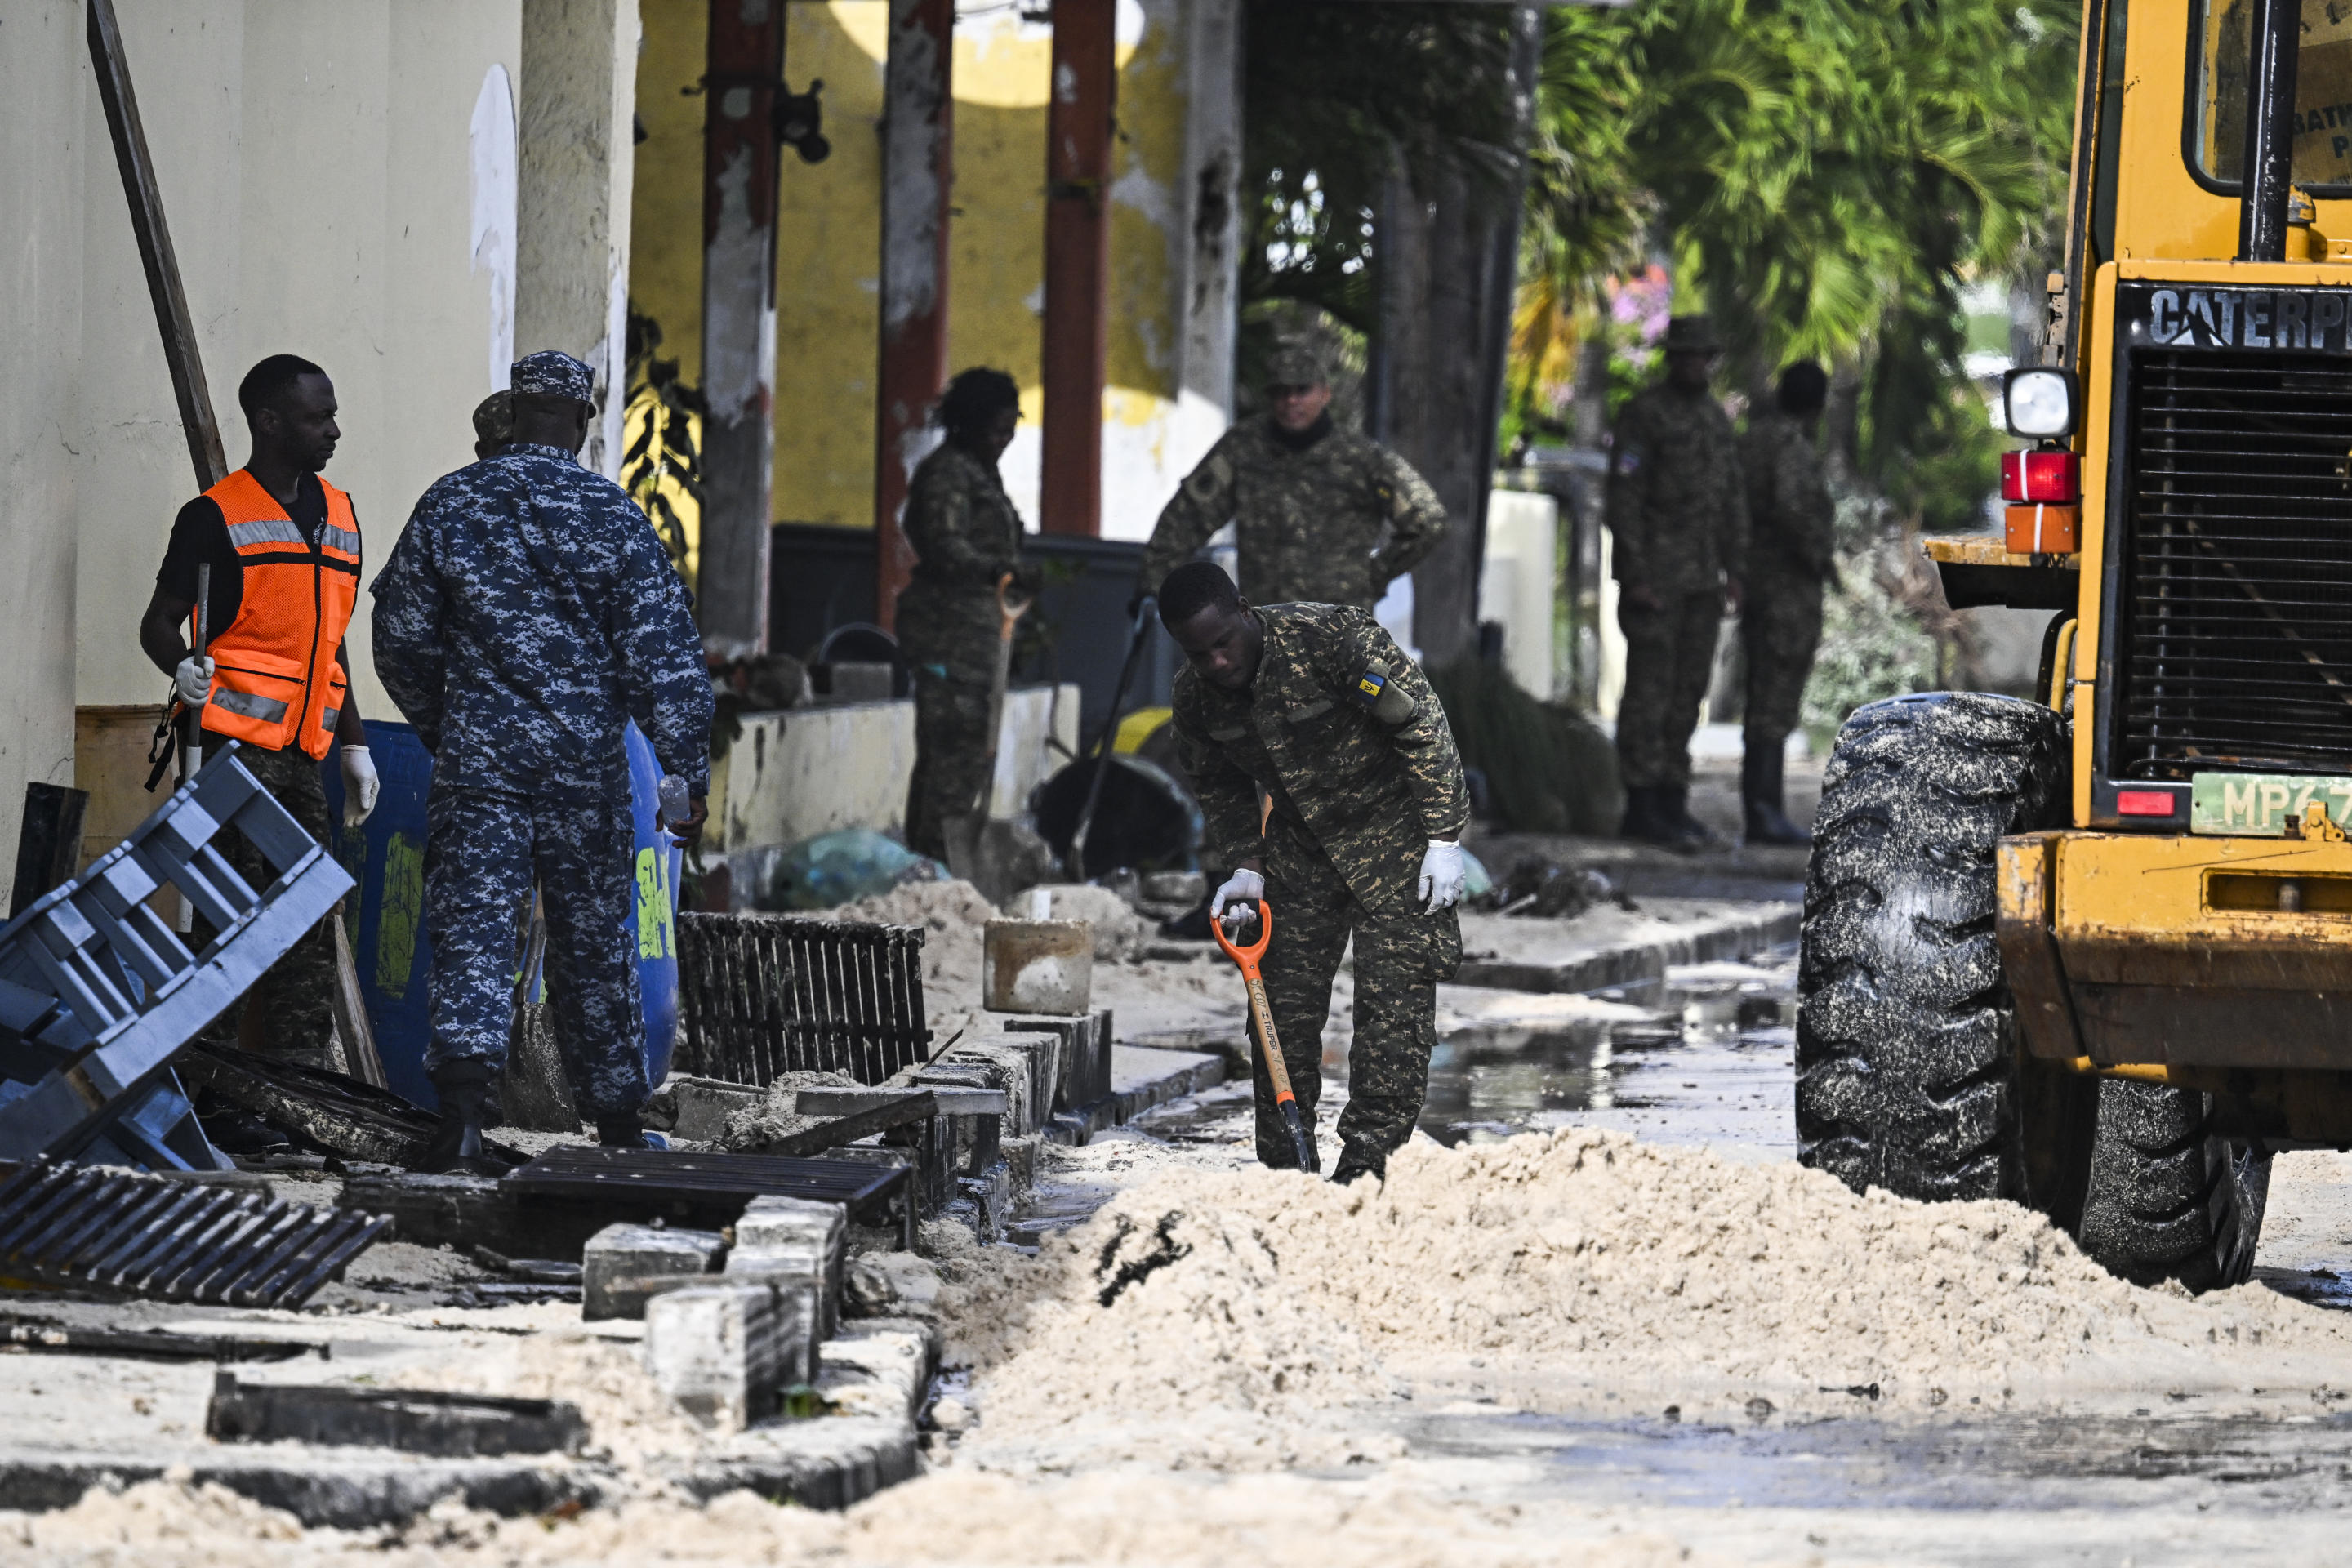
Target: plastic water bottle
point(671, 793)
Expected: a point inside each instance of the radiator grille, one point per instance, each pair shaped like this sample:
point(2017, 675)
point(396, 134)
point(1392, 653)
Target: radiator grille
point(2235, 647)
point(762, 995)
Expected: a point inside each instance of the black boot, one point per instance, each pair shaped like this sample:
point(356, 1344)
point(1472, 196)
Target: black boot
point(627, 1130)
point(1761, 797)
point(464, 1088)
point(1693, 834)
point(1645, 823)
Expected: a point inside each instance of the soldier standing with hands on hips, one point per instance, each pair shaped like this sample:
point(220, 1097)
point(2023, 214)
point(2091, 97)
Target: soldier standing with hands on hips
point(1320, 514)
point(282, 546)
point(526, 613)
point(1317, 706)
point(1678, 530)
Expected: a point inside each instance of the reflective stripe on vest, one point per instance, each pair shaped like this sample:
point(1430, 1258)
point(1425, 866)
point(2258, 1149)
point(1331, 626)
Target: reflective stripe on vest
point(276, 680)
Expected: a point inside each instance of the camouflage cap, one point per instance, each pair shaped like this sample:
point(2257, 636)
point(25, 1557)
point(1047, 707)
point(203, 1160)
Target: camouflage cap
point(1295, 361)
point(553, 374)
point(1692, 334)
point(494, 419)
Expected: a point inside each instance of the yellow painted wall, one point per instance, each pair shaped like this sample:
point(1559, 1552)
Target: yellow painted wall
point(829, 227)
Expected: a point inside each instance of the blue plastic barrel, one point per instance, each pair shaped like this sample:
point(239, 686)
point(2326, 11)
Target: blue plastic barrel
point(654, 929)
point(391, 942)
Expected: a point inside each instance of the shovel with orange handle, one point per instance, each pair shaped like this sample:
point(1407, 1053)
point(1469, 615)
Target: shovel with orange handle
point(1262, 1015)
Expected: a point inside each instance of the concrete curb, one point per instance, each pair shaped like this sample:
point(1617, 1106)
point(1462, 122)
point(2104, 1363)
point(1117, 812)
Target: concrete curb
point(1644, 963)
point(875, 1373)
point(353, 1490)
point(1142, 1077)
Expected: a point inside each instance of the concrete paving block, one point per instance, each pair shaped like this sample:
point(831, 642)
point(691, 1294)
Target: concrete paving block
point(1008, 1067)
point(1036, 966)
point(1021, 1156)
point(1085, 1066)
point(891, 1284)
point(791, 1243)
point(719, 1351)
point(415, 1421)
point(697, 1107)
point(623, 1264)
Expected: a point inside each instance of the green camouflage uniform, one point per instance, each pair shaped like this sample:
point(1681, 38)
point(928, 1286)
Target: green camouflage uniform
point(1309, 517)
point(1358, 793)
point(1794, 536)
point(295, 996)
point(966, 536)
point(1679, 522)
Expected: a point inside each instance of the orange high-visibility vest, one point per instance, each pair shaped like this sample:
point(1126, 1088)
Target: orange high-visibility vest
point(276, 680)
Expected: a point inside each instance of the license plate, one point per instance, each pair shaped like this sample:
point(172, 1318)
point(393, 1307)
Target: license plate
point(2260, 805)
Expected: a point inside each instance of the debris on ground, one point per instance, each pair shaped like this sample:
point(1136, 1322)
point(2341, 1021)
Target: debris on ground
point(1546, 890)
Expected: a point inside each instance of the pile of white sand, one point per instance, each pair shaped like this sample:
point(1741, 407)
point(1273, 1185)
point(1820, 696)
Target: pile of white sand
point(957, 1517)
point(1205, 1319)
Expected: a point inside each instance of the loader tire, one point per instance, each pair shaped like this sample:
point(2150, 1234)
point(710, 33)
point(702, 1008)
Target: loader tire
point(1909, 1076)
point(2168, 1198)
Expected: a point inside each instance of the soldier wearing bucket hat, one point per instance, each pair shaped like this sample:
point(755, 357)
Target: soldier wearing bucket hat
point(1321, 515)
point(526, 616)
point(1677, 514)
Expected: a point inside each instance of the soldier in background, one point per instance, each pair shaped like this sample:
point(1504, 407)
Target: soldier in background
point(493, 424)
point(1679, 521)
point(1317, 706)
point(1791, 554)
point(1322, 515)
point(966, 537)
point(527, 613)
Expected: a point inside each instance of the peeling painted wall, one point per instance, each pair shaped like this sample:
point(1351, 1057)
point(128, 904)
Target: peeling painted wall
point(1161, 412)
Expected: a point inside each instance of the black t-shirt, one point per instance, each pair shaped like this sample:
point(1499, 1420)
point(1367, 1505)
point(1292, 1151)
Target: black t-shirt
point(200, 537)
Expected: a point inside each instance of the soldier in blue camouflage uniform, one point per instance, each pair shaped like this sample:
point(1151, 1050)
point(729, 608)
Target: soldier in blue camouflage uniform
point(526, 615)
point(1317, 707)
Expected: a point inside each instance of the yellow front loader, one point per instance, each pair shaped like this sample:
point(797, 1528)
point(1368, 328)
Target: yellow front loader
point(2093, 951)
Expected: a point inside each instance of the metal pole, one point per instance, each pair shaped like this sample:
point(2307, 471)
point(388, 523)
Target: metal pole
point(2267, 183)
point(1077, 262)
point(917, 172)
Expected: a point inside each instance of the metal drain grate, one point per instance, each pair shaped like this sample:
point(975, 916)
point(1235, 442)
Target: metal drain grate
point(114, 1230)
point(763, 995)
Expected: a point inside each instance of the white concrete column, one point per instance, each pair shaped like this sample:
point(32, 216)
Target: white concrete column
point(44, 77)
point(577, 103)
point(1213, 225)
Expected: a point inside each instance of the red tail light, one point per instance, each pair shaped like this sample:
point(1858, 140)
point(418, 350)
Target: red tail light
point(2041, 477)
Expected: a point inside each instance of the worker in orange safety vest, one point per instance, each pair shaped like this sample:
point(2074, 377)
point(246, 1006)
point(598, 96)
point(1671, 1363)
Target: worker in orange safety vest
point(284, 549)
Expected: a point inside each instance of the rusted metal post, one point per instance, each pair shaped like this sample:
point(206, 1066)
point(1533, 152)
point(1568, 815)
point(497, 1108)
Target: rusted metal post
point(1077, 262)
point(739, 320)
point(918, 174)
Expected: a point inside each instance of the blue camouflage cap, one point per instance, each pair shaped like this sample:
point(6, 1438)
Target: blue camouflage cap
point(553, 374)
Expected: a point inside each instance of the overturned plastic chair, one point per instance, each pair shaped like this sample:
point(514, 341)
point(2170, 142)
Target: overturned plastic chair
point(97, 992)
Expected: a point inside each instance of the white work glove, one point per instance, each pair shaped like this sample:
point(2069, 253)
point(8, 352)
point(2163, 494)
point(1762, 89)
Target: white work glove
point(1244, 887)
point(1442, 876)
point(195, 679)
point(359, 786)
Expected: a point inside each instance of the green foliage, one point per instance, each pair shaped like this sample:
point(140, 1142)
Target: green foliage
point(1547, 770)
point(1872, 647)
point(1338, 97)
point(1829, 171)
